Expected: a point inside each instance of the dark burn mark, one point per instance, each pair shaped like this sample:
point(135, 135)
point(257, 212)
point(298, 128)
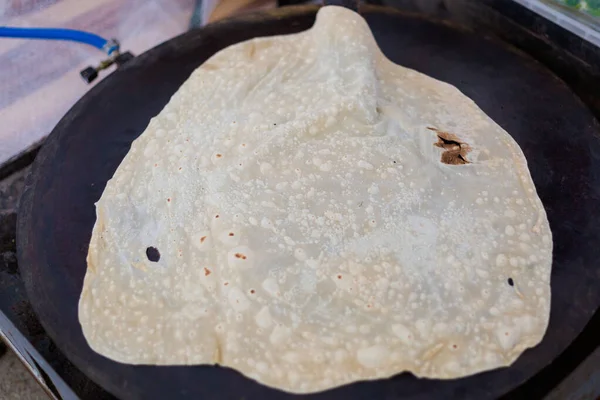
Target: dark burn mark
point(202, 239)
point(252, 291)
point(231, 234)
point(455, 151)
point(511, 282)
point(207, 271)
point(153, 254)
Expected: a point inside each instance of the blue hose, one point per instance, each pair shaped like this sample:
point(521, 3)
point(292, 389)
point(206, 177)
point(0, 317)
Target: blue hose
point(60, 34)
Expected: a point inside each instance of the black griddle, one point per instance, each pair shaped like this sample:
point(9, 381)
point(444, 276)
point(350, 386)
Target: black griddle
point(556, 130)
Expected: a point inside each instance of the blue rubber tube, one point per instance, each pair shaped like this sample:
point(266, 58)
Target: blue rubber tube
point(59, 34)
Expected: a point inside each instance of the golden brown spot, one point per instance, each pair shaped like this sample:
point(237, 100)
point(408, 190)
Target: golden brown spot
point(243, 144)
point(209, 66)
point(219, 155)
point(339, 277)
point(240, 255)
point(207, 272)
point(226, 283)
point(202, 239)
point(455, 151)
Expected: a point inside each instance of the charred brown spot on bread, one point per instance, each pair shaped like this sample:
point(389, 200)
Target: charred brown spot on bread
point(210, 66)
point(251, 50)
point(455, 150)
point(240, 255)
point(207, 272)
point(202, 239)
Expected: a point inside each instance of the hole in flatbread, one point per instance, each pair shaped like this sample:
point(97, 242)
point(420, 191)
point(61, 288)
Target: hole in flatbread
point(153, 254)
point(511, 282)
point(455, 150)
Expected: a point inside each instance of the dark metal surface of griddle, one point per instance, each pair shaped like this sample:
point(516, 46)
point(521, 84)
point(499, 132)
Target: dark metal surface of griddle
point(556, 130)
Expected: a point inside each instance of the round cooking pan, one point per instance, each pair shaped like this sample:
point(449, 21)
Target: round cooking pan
point(556, 131)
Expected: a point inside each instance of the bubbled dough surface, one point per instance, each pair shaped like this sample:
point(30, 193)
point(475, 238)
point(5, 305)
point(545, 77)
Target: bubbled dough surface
point(309, 234)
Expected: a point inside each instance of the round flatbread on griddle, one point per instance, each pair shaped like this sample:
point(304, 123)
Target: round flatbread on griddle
point(309, 213)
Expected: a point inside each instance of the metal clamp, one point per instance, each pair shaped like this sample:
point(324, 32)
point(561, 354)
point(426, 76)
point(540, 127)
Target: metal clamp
point(111, 47)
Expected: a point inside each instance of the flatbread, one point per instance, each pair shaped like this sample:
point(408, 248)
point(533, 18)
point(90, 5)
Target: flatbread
point(309, 213)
